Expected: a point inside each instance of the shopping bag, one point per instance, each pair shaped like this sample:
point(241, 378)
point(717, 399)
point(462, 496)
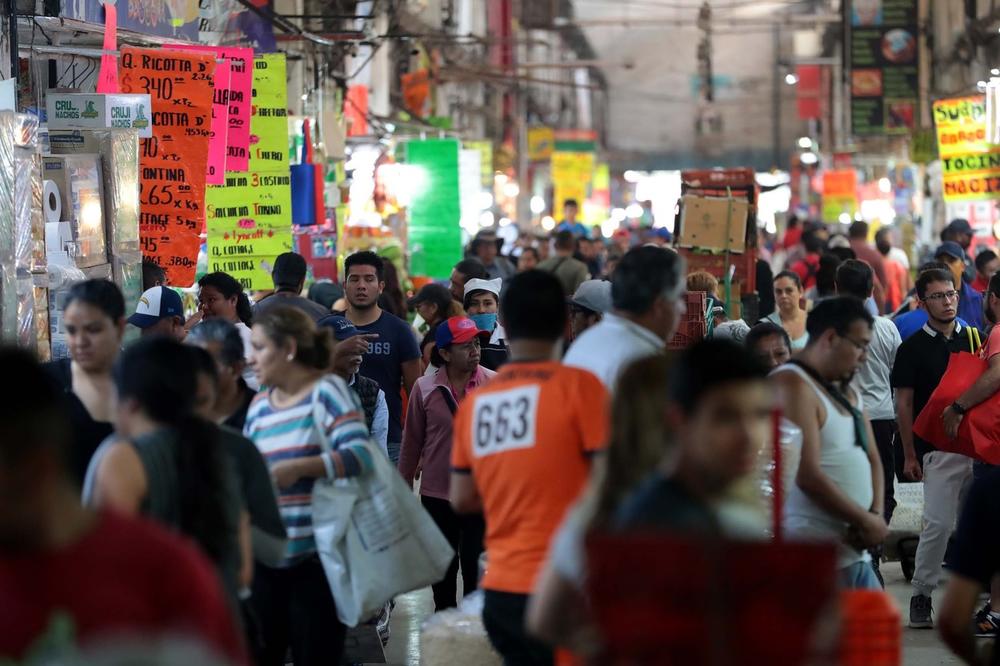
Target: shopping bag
point(373, 536)
point(979, 433)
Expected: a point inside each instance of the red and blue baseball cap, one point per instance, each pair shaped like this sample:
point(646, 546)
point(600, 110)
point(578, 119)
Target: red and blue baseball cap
point(458, 331)
point(156, 304)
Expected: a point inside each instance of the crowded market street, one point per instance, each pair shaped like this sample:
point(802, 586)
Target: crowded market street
point(500, 332)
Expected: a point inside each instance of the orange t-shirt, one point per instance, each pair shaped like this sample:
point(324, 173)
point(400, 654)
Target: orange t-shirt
point(526, 438)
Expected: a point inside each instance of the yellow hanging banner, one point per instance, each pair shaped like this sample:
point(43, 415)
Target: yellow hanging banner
point(970, 167)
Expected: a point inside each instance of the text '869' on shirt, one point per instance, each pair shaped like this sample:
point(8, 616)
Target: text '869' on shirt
point(292, 432)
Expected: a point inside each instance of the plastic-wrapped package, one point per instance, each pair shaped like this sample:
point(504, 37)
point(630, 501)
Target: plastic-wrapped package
point(25, 173)
point(127, 274)
point(18, 138)
point(457, 636)
point(37, 219)
point(61, 277)
point(120, 152)
point(791, 452)
point(26, 334)
point(43, 345)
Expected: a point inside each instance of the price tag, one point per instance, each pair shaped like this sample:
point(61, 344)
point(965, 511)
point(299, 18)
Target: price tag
point(241, 65)
point(173, 162)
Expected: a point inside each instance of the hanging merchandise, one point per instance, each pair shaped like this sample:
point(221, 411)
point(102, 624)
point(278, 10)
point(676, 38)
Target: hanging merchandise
point(356, 110)
point(970, 167)
point(174, 161)
point(435, 237)
point(249, 218)
point(107, 78)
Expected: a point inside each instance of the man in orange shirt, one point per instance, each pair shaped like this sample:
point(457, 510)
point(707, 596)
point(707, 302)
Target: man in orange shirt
point(522, 453)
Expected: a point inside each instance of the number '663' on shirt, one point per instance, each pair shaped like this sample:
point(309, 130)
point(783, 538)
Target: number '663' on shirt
point(527, 438)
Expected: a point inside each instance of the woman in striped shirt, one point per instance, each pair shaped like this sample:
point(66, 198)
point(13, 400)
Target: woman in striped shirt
point(308, 425)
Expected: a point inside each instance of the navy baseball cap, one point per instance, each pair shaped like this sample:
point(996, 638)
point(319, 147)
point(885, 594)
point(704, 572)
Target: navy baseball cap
point(156, 304)
point(342, 328)
point(951, 249)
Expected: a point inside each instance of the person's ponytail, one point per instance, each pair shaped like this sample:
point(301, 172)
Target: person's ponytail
point(322, 348)
point(243, 309)
point(203, 491)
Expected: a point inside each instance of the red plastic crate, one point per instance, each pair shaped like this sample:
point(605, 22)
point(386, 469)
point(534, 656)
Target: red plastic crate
point(692, 326)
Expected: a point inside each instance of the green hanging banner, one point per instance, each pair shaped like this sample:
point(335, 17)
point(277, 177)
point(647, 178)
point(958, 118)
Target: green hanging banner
point(435, 242)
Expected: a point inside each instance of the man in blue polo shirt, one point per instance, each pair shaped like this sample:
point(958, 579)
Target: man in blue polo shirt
point(970, 303)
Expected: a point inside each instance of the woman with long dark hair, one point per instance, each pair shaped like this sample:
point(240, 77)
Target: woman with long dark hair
point(392, 299)
point(165, 462)
point(94, 319)
point(220, 296)
point(308, 426)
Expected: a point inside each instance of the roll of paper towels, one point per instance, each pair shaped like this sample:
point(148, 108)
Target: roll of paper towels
point(52, 201)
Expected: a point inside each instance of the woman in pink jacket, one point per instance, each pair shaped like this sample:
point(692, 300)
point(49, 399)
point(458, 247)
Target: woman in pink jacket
point(427, 446)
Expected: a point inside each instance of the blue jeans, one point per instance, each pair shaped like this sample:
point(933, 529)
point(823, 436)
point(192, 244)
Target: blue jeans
point(859, 576)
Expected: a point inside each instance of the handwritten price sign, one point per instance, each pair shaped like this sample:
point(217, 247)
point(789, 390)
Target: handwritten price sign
point(173, 162)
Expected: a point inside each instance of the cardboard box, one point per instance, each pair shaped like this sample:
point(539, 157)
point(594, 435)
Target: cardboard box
point(94, 111)
point(704, 220)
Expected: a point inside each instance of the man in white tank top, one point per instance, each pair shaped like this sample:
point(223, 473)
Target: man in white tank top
point(838, 493)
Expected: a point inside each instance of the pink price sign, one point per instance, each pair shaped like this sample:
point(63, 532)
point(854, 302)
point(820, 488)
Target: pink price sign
point(216, 172)
point(240, 91)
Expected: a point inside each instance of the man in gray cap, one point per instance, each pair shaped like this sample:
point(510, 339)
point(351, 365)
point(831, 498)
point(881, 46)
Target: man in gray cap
point(588, 305)
point(289, 275)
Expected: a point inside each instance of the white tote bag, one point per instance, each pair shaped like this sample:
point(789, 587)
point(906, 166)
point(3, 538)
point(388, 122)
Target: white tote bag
point(375, 539)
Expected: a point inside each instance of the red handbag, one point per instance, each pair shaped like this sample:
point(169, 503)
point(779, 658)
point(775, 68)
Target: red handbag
point(979, 433)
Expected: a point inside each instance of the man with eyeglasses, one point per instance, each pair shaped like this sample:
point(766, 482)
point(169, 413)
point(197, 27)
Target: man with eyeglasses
point(970, 302)
point(837, 495)
point(856, 278)
point(920, 364)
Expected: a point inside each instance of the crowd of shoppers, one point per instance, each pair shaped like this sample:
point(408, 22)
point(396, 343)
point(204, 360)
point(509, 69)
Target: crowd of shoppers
point(531, 404)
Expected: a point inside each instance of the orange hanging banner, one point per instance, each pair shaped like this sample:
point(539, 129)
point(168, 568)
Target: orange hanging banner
point(107, 79)
point(173, 162)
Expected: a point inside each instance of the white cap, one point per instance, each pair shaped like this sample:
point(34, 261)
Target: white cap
point(476, 284)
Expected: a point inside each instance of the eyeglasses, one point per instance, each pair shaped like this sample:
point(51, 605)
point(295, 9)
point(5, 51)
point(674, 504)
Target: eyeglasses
point(860, 346)
point(942, 296)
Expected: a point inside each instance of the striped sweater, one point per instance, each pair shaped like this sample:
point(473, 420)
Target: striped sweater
point(291, 432)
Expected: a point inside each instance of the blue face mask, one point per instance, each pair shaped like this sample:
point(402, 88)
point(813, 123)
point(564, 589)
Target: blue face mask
point(485, 322)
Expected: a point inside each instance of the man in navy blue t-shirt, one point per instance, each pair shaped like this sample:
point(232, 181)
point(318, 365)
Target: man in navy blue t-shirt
point(393, 358)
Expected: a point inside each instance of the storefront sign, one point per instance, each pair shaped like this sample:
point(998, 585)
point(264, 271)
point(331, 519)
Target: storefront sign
point(840, 194)
point(884, 64)
point(249, 219)
point(540, 143)
point(970, 167)
point(572, 173)
point(269, 119)
point(239, 96)
point(435, 237)
point(216, 171)
point(97, 111)
point(177, 19)
point(485, 149)
point(252, 272)
point(173, 162)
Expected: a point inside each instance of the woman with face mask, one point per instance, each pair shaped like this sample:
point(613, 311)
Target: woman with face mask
point(482, 303)
point(94, 318)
